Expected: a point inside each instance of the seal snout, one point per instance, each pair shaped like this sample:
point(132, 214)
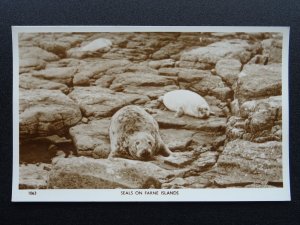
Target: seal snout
point(145, 154)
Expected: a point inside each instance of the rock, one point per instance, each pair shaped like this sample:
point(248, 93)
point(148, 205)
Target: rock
point(180, 159)
point(36, 53)
point(166, 119)
point(205, 161)
point(88, 137)
point(33, 176)
point(212, 85)
point(27, 81)
point(192, 75)
point(197, 182)
point(96, 69)
point(87, 173)
point(92, 49)
point(228, 49)
point(105, 81)
point(272, 48)
point(101, 102)
point(28, 64)
point(208, 140)
point(254, 161)
point(168, 50)
point(46, 112)
point(60, 75)
point(178, 182)
point(258, 81)
point(176, 139)
point(151, 91)
point(228, 69)
point(161, 63)
point(139, 80)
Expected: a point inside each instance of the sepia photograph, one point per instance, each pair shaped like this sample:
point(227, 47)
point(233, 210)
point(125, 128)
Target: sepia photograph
point(150, 114)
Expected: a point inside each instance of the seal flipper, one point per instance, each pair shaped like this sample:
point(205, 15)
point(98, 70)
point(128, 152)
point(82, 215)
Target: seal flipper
point(179, 112)
point(163, 148)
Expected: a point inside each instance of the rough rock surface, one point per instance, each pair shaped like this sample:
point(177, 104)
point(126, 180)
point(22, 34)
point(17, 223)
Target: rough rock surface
point(82, 172)
point(72, 83)
point(46, 112)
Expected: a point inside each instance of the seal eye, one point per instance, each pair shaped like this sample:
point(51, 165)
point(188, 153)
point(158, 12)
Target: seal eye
point(149, 142)
point(137, 143)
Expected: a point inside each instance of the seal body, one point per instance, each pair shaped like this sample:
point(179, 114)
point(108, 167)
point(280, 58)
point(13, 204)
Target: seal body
point(186, 102)
point(134, 134)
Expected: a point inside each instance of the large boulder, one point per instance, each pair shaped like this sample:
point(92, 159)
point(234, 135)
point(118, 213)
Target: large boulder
point(252, 162)
point(258, 81)
point(46, 112)
point(88, 173)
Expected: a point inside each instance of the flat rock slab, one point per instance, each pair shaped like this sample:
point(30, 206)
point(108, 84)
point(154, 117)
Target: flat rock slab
point(46, 112)
point(229, 49)
point(60, 75)
point(83, 172)
point(180, 159)
point(37, 53)
point(258, 81)
point(101, 102)
point(27, 81)
point(92, 136)
point(176, 139)
point(167, 119)
point(140, 80)
point(33, 176)
point(259, 161)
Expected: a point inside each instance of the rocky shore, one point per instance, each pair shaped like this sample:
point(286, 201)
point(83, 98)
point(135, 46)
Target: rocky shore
point(72, 83)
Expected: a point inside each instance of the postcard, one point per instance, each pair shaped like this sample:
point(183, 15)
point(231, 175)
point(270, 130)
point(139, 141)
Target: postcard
point(150, 113)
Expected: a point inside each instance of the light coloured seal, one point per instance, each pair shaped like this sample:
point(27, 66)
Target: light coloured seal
point(134, 134)
point(186, 102)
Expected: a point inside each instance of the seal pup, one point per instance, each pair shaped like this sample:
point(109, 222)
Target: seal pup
point(186, 102)
point(134, 134)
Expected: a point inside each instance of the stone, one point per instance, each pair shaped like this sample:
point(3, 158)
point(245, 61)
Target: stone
point(258, 81)
point(180, 159)
point(96, 69)
point(228, 49)
point(27, 81)
point(228, 69)
point(94, 48)
point(59, 75)
point(105, 81)
point(102, 102)
point(197, 182)
point(33, 176)
point(152, 92)
point(46, 112)
point(28, 64)
point(272, 48)
point(139, 80)
point(161, 63)
point(166, 119)
point(36, 53)
point(206, 160)
point(87, 173)
point(178, 182)
point(176, 139)
point(88, 137)
point(257, 161)
point(192, 75)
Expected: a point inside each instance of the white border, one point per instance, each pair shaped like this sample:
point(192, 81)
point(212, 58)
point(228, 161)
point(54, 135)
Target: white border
point(114, 195)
